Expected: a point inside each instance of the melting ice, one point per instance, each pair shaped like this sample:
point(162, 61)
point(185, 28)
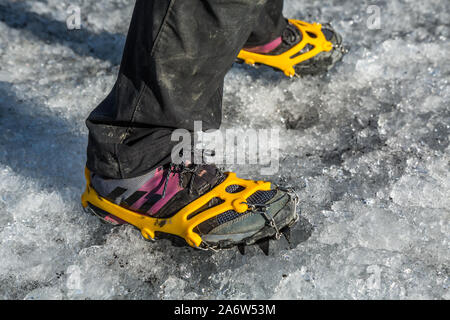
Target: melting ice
point(367, 146)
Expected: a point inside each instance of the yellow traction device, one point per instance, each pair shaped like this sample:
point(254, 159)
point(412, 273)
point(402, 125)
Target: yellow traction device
point(312, 35)
point(182, 223)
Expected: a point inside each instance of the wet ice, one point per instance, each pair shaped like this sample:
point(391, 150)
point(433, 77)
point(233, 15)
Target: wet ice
point(367, 146)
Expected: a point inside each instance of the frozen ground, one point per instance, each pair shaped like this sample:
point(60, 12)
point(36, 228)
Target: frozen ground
point(367, 145)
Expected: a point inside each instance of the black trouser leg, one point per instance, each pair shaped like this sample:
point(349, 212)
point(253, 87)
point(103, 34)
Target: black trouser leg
point(175, 59)
point(270, 25)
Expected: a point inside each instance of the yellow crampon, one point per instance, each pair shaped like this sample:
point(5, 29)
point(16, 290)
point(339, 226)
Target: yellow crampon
point(312, 35)
point(183, 222)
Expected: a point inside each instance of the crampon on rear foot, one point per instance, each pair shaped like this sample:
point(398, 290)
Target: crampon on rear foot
point(307, 49)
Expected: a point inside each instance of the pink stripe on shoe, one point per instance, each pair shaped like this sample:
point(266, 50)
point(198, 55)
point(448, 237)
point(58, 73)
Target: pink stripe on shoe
point(114, 220)
point(155, 185)
point(266, 48)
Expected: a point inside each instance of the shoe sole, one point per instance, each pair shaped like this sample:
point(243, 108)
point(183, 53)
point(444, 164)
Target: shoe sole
point(214, 242)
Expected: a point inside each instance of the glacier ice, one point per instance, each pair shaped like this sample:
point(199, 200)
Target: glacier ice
point(367, 146)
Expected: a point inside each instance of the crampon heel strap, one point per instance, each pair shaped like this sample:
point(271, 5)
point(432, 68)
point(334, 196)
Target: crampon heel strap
point(184, 221)
point(312, 35)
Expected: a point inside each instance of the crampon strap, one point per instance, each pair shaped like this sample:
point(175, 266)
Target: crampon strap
point(184, 221)
point(312, 35)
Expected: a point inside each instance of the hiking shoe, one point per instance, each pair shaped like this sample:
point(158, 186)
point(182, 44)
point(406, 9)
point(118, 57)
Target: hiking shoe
point(197, 204)
point(302, 49)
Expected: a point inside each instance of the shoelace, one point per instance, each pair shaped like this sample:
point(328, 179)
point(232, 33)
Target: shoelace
point(181, 169)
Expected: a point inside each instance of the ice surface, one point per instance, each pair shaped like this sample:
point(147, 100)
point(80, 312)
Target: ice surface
point(367, 146)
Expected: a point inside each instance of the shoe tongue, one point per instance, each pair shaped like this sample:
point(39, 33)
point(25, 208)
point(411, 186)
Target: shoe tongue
point(202, 178)
point(291, 35)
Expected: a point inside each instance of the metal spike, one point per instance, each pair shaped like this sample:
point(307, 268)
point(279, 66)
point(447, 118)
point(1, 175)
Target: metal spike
point(241, 248)
point(264, 246)
point(287, 234)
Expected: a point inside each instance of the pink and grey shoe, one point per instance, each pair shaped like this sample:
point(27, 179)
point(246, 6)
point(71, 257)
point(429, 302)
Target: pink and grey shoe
point(299, 39)
point(165, 191)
